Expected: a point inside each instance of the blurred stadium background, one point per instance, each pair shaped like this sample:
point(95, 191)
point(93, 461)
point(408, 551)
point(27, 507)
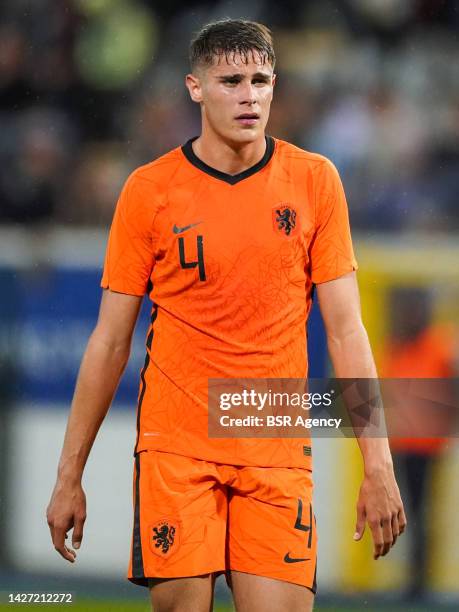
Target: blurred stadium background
point(90, 89)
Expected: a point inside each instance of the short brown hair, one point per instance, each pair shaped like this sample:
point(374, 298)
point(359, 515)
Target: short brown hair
point(231, 36)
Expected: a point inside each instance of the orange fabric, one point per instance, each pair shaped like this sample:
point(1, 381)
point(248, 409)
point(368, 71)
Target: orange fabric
point(430, 355)
point(231, 286)
point(198, 517)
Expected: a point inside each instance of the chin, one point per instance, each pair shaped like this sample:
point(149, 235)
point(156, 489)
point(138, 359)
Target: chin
point(245, 135)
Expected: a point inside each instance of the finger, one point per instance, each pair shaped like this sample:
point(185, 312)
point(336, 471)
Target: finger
point(401, 521)
point(59, 535)
point(50, 522)
point(360, 524)
point(388, 536)
point(395, 528)
point(77, 534)
point(378, 540)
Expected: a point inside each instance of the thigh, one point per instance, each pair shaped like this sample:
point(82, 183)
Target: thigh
point(182, 594)
point(260, 594)
point(180, 515)
point(272, 533)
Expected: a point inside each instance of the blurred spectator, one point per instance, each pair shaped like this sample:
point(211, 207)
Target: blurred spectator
point(373, 85)
point(13, 84)
point(32, 176)
point(95, 185)
point(417, 347)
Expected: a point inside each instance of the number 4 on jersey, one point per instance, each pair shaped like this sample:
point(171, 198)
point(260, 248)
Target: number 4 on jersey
point(192, 264)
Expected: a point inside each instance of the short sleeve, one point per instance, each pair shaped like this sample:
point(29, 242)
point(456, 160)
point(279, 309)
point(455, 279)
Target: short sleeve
point(129, 258)
point(331, 253)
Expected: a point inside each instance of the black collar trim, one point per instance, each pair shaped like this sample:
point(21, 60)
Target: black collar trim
point(232, 179)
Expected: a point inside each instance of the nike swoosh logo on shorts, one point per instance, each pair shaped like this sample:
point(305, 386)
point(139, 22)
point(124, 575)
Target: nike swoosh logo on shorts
point(185, 228)
point(289, 559)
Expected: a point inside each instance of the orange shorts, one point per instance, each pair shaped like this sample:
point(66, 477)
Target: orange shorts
point(194, 517)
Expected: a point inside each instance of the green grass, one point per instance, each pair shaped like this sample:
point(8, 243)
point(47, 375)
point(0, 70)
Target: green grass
point(107, 606)
point(102, 606)
point(88, 606)
point(136, 606)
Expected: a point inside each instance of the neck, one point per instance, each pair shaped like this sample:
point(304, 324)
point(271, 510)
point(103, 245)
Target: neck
point(229, 157)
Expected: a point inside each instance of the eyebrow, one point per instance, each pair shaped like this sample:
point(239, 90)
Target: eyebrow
point(257, 75)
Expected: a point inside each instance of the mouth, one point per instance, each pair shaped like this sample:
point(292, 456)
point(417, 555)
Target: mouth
point(248, 118)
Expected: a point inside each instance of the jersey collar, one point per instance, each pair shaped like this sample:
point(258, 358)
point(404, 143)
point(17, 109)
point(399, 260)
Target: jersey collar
point(232, 179)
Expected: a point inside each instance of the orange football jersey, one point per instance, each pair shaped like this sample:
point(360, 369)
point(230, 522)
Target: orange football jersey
point(229, 262)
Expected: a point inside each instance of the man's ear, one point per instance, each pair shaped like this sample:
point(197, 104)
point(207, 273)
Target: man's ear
point(274, 79)
point(193, 84)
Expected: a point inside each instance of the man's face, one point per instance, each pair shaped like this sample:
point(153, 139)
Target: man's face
point(235, 96)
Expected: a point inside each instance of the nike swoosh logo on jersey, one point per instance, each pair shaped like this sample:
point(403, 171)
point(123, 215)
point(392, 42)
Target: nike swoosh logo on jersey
point(289, 559)
point(179, 230)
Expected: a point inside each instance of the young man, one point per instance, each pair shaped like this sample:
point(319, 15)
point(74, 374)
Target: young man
point(227, 234)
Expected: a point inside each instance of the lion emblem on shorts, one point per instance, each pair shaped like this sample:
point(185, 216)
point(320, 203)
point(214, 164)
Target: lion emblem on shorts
point(163, 537)
point(284, 218)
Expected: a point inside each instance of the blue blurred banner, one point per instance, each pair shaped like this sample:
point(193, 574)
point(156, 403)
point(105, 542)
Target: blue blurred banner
point(46, 320)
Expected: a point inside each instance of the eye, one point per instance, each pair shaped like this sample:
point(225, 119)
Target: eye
point(231, 81)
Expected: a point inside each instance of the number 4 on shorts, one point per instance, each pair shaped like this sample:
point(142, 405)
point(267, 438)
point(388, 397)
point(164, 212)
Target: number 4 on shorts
point(299, 525)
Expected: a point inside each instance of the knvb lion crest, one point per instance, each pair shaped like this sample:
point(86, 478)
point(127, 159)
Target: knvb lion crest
point(284, 218)
point(164, 538)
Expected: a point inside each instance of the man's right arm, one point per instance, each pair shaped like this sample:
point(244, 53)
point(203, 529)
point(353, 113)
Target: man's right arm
point(101, 368)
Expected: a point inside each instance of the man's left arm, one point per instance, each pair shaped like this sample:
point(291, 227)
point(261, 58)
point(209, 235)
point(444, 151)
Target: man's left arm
point(379, 501)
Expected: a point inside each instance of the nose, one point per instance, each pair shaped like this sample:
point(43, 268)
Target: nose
point(248, 94)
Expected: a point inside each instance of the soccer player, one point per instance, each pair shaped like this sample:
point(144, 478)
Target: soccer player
point(228, 235)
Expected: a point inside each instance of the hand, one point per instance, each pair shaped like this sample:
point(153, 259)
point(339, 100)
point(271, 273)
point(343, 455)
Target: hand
point(67, 509)
point(380, 504)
